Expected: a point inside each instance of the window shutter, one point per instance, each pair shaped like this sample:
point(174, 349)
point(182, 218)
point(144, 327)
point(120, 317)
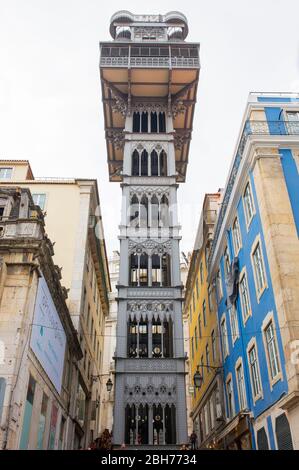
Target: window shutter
point(283, 433)
point(262, 440)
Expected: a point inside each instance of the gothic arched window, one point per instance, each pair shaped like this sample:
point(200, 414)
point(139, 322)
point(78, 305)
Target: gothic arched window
point(154, 222)
point(154, 163)
point(135, 163)
point(136, 122)
point(162, 122)
point(144, 163)
point(163, 164)
point(164, 212)
point(144, 121)
point(143, 212)
point(134, 212)
point(154, 122)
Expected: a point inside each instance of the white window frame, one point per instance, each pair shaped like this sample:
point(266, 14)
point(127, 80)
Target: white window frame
point(248, 217)
point(257, 244)
point(247, 314)
point(219, 284)
point(237, 238)
point(5, 169)
point(290, 127)
point(208, 356)
point(239, 364)
point(268, 320)
point(252, 345)
point(214, 346)
point(201, 273)
point(204, 312)
point(229, 379)
point(234, 324)
point(36, 203)
point(210, 298)
point(224, 338)
point(226, 262)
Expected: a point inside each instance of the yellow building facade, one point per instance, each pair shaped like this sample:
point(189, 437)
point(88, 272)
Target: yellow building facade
point(206, 403)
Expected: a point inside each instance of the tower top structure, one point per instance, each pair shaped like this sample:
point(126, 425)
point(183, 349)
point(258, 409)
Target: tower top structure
point(148, 66)
point(171, 26)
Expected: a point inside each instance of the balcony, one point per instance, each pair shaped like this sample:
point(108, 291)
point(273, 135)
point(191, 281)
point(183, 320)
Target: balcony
point(150, 62)
point(267, 128)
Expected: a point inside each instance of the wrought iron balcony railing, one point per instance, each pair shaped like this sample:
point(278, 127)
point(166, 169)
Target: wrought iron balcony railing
point(251, 128)
point(151, 62)
point(267, 128)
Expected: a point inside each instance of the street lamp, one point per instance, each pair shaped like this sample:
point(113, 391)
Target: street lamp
point(109, 385)
point(197, 378)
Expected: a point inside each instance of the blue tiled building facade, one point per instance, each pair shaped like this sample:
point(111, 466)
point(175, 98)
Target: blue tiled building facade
point(253, 269)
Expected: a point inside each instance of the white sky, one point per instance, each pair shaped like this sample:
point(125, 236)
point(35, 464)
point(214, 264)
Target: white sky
point(50, 96)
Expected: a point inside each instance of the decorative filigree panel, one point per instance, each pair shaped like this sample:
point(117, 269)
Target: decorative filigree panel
point(149, 107)
point(149, 146)
point(149, 191)
point(149, 246)
point(150, 389)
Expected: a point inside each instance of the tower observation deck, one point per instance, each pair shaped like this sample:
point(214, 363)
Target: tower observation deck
point(149, 77)
point(147, 60)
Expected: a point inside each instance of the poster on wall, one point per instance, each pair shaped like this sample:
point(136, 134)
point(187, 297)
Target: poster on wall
point(48, 339)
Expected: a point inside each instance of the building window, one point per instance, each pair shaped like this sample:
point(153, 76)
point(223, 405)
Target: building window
point(5, 173)
point(283, 433)
point(292, 122)
point(204, 313)
point(210, 299)
point(199, 326)
point(219, 285)
point(212, 411)
point(262, 439)
point(193, 301)
point(226, 262)
point(232, 311)
point(224, 338)
point(230, 399)
point(237, 241)
point(201, 272)
point(39, 200)
point(207, 420)
point(197, 287)
point(272, 351)
point(2, 381)
point(259, 270)
point(207, 254)
point(202, 367)
point(196, 338)
point(28, 414)
point(214, 353)
point(241, 386)
point(244, 294)
point(192, 347)
point(42, 422)
point(254, 372)
point(208, 356)
point(248, 204)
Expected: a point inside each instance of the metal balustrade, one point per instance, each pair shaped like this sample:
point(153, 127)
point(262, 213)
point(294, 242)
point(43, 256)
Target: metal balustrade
point(151, 62)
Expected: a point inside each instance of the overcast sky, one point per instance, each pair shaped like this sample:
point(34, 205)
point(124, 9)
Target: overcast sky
point(50, 95)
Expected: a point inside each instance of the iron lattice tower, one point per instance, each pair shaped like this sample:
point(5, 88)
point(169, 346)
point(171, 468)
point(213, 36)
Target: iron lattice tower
point(149, 77)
